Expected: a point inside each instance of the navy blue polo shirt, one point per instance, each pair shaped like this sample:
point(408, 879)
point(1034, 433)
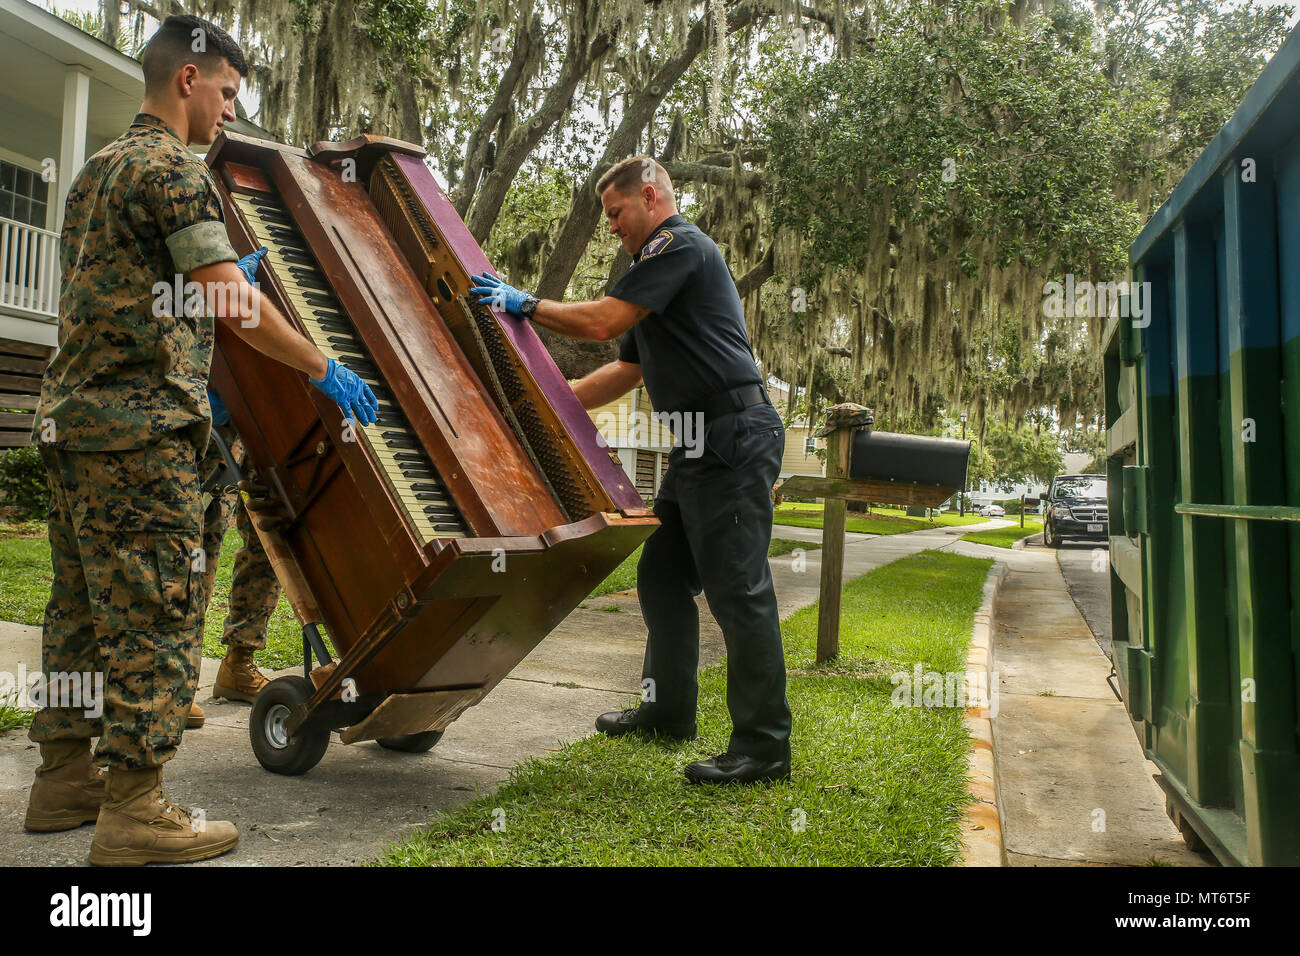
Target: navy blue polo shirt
point(693, 345)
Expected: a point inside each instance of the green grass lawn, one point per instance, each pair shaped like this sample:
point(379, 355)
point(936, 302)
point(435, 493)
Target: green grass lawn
point(25, 571)
point(879, 521)
point(13, 718)
point(873, 784)
point(623, 577)
point(1006, 537)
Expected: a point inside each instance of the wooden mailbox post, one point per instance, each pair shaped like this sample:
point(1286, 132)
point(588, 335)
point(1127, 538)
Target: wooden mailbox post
point(837, 489)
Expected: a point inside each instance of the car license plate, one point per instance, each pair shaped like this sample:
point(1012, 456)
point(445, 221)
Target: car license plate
point(1096, 527)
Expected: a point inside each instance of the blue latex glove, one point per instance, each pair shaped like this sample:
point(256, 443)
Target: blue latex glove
point(219, 414)
point(499, 295)
point(353, 395)
point(248, 264)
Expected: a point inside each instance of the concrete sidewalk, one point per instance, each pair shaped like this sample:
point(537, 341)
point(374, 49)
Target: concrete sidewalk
point(1073, 784)
point(362, 797)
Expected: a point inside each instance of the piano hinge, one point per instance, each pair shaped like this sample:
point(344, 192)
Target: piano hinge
point(404, 604)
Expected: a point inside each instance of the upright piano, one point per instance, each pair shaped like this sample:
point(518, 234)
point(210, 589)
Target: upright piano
point(441, 544)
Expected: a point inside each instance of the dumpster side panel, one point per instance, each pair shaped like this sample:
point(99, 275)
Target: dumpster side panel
point(1203, 438)
point(1288, 236)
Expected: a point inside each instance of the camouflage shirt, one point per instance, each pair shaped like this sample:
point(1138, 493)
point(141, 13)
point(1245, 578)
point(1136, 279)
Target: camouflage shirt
point(132, 365)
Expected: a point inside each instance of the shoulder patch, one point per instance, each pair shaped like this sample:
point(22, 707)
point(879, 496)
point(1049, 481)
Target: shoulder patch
point(657, 244)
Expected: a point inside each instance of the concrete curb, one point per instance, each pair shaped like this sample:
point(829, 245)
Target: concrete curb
point(1019, 545)
point(982, 824)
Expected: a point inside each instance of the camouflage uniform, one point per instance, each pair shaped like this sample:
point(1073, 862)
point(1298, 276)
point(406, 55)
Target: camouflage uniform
point(254, 591)
point(126, 398)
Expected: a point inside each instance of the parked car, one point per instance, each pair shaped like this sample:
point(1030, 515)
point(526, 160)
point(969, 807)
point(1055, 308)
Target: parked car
point(995, 511)
point(1075, 507)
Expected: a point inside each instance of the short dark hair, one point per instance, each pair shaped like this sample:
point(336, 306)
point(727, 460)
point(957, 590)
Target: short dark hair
point(187, 39)
point(629, 175)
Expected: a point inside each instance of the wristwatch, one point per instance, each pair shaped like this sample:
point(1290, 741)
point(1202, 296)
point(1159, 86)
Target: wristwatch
point(528, 307)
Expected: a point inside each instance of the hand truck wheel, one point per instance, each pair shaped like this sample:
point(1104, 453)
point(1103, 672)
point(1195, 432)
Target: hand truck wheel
point(411, 743)
point(275, 749)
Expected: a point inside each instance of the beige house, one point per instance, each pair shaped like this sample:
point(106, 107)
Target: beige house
point(801, 443)
point(642, 444)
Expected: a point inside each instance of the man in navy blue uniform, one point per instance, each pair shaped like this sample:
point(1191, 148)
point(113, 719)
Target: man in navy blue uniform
point(682, 332)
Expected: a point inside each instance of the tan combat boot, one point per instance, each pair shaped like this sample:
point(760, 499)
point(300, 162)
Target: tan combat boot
point(138, 824)
point(196, 717)
point(68, 789)
point(239, 678)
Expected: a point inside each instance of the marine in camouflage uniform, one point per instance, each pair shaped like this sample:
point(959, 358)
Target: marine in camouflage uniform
point(254, 590)
point(123, 423)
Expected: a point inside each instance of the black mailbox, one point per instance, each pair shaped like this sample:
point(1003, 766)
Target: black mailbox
point(909, 459)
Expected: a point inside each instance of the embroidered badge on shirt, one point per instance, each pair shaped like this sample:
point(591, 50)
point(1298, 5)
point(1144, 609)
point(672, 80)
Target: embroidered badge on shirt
point(657, 244)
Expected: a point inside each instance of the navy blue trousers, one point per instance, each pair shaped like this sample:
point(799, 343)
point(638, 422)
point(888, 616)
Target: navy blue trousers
point(716, 523)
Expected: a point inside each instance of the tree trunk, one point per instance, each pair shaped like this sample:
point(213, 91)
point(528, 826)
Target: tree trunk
point(510, 155)
point(110, 30)
point(480, 140)
point(576, 231)
point(409, 107)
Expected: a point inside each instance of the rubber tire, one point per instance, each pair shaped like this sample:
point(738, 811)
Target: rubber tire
point(411, 743)
point(1051, 541)
point(304, 749)
point(1190, 837)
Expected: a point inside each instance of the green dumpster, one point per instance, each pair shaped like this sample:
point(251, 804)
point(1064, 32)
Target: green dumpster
point(1203, 443)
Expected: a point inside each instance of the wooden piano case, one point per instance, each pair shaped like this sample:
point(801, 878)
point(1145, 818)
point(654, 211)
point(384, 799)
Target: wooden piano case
point(441, 544)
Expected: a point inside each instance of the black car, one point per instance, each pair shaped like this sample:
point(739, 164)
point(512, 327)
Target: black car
point(1075, 508)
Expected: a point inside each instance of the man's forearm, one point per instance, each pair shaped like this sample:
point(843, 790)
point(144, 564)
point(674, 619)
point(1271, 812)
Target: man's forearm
point(597, 321)
point(578, 320)
point(606, 383)
point(251, 316)
point(273, 336)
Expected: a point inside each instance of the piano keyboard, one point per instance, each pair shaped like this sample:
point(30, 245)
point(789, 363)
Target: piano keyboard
point(406, 467)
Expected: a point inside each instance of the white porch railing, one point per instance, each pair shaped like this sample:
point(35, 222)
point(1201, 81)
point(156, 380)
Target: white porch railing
point(29, 269)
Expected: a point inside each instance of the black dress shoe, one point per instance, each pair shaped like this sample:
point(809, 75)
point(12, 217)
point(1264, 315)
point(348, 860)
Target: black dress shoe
point(616, 723)
point(736, 768)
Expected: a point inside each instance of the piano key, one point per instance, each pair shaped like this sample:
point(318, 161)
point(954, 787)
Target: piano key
point(267, 219)
point(396, 450)
point(273, 216)
point(310, 282)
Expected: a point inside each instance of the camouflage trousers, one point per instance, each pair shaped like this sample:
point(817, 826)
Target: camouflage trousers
point(125, 610)
point(254, 590)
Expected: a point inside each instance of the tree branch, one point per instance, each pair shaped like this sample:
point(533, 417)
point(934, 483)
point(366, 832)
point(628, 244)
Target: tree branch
point(481, 139)
point(755, 277)
point(517, 147)
point(584, 212)
point(680, 171)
